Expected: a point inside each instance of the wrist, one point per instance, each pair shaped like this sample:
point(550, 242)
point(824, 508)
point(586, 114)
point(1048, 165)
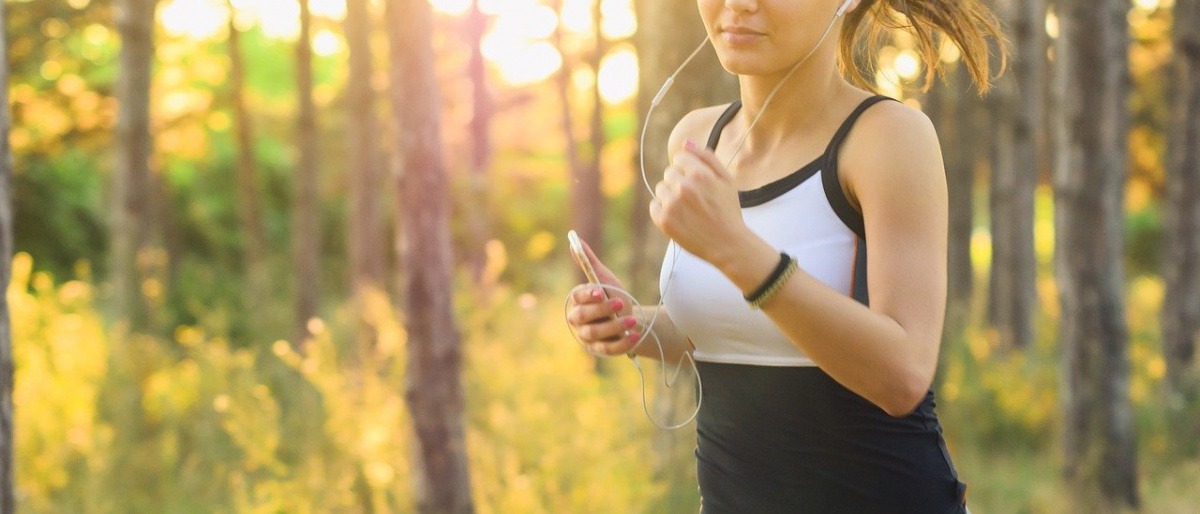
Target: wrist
point(747, 262)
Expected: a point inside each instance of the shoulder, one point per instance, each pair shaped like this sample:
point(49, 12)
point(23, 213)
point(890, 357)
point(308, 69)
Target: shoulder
point(893, 149)
point(695, 125)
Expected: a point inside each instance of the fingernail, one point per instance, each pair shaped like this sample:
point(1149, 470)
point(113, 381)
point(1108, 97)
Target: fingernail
point(617, 304)
point(596, 294)
point(634, 336)
point(630, 322)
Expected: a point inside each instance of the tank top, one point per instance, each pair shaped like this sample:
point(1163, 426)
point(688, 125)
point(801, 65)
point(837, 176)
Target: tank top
point(804, 214)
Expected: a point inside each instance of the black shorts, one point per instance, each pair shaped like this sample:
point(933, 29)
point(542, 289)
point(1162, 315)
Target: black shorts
point(793, 440)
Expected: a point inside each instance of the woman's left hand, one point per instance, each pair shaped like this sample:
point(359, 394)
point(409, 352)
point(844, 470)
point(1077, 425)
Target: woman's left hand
point(696, 204)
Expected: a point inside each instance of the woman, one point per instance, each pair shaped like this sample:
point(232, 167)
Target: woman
point(816, 355)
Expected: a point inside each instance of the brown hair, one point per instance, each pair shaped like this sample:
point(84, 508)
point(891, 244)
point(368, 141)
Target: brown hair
point(969, 24)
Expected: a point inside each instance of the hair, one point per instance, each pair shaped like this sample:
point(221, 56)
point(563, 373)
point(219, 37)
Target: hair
point(969, 24)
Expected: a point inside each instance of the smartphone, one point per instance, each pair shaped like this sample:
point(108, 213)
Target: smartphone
point(581, 257)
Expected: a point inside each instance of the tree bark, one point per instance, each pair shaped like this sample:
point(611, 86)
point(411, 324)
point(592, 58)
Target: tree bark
point(8, 497)
point(305, 207)
point(131, 182)
point(585, 184)
point(434, 388)
point(952, 113)
point(254, 232)
point(668, 31)
point(589, 195)
point(363, 162)
point(1181, 271)
point(478, 215)
point(1017, 105)
point(1089, 186)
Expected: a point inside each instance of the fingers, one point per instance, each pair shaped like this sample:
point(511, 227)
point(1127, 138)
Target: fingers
point(583, 314)
point(705, 157)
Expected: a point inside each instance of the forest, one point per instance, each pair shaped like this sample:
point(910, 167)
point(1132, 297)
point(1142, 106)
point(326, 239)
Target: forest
point(310, 256)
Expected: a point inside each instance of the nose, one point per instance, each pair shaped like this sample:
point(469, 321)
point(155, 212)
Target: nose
point(740, 6)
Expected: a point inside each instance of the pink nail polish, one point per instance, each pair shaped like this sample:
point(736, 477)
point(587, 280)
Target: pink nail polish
point(617, 304)
point(630, 322)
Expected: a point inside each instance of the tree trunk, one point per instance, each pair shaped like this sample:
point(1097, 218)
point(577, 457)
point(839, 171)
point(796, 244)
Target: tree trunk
point(254, 232)
point(131, 183)
point(1017, 106)
point(1181, 271)
point(589, 195)
point(584, 188)
point(305, 207)
point(478, 215)
point(434, 387)
point(8, 497)
point(1089, 186)
point(363, 162)
point(951, 113)
point(672, 28)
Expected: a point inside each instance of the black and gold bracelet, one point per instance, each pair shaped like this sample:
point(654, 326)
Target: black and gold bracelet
point(774, 282)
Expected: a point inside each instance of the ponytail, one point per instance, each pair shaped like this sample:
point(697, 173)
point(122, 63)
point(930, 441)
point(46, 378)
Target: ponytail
point(967, 23)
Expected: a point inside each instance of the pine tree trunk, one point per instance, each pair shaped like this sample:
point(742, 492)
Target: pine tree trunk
point(581, 195)
point(1017, 106)
point(951, 113)
point(434, 387)
point(1089, 185)
point(478, 216)
point(306, 207)
point(254, 233)
point(1181, 270)
point(589, 196)
point(672, 28)
point(363, 163)
point(131, 183)
point(8, 497)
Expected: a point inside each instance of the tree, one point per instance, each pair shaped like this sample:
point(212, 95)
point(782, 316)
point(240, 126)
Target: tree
point(1091, 88)
point(589, 195)
point(363, 162)
point(8, 500)
point(481, 142)
point(1016, 108)
point(254, 232)
point(1181, 271)
point(586, 197)
point(131, 182)
point(954, 117)
point(434, 388)
point(305, 206)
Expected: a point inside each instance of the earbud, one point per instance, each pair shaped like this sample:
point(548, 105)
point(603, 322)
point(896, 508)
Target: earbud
point(842, 10)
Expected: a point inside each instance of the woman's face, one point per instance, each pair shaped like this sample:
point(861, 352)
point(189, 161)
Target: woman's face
point(762, 37)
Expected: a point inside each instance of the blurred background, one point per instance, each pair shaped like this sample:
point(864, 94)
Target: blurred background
point(277, 256)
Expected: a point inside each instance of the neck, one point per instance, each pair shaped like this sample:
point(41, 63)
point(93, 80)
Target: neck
point(797, 106)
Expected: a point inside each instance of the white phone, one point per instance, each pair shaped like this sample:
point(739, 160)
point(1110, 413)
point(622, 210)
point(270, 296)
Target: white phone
point(581, 257)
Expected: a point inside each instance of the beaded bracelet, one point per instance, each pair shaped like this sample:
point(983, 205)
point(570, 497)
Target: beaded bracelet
point(774, 282)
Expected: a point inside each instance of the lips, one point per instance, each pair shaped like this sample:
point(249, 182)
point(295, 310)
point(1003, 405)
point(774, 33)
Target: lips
point(738, 34)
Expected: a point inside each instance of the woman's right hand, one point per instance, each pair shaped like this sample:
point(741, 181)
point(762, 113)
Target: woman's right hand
point(603, 319)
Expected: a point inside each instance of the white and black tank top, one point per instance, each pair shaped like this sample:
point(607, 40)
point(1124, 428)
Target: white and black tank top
point(805, 214)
